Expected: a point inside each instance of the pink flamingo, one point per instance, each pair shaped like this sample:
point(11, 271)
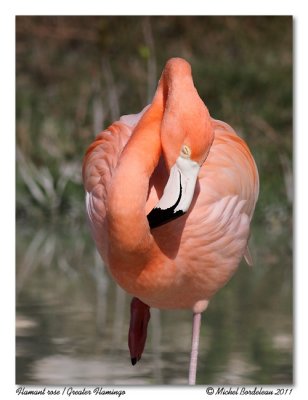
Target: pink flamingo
point(170, 193)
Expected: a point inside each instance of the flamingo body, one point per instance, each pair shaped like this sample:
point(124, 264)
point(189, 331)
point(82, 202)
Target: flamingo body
point(184, 262)
point(199, 252)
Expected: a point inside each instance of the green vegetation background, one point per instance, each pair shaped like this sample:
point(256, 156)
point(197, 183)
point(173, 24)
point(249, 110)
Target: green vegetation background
point(75, 75)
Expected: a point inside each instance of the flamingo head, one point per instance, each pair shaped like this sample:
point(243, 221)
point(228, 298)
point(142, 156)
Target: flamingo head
point(186, 137)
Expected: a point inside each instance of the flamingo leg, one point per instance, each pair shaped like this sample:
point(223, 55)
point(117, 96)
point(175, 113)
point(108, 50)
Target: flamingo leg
point(194, 348)
point(139, 319)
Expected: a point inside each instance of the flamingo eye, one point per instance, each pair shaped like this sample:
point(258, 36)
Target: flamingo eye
point(185, 151)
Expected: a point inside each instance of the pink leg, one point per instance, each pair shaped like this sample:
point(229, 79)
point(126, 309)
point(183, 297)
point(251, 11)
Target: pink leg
point(194, 349)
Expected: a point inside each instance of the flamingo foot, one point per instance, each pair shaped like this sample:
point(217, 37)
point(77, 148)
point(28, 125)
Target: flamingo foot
point(139, 319)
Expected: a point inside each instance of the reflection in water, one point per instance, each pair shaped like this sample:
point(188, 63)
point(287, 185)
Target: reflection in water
point(72, 320)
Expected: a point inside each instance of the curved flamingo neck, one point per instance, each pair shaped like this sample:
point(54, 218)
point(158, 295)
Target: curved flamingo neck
point(128, 227)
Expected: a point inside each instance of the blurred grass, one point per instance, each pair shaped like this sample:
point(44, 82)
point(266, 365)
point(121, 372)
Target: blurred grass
point(75, 75)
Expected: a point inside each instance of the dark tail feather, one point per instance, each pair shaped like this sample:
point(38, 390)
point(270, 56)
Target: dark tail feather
point(139, 319)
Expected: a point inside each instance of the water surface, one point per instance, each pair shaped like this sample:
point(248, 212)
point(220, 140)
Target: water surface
point(72, 320)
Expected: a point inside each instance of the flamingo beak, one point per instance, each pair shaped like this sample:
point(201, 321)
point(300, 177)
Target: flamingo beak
point(178, 192)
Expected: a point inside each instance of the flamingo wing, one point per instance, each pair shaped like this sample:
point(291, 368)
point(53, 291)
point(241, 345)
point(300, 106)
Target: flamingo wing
point(230, 149)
